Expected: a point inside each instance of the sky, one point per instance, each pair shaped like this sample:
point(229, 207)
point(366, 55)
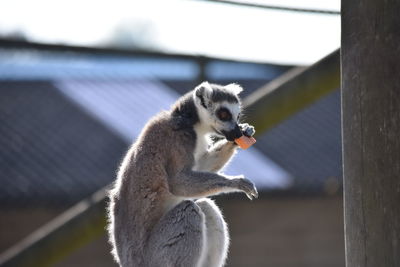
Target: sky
point(178, 26)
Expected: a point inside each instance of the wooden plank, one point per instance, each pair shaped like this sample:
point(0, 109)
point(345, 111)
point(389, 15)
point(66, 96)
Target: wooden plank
point(371, 131)
point(291, 92)
point(55, 240)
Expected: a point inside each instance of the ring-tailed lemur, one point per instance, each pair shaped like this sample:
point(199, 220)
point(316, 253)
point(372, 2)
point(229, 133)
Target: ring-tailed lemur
point(158, 212)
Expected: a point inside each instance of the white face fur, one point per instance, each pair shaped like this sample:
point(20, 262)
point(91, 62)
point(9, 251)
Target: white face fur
point(229, 112)
point(221, 116)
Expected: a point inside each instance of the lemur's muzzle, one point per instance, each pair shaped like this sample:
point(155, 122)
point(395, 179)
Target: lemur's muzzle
point(233, 134)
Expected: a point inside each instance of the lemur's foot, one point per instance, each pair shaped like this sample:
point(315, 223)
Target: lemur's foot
point(247, 129)
point(246, 186)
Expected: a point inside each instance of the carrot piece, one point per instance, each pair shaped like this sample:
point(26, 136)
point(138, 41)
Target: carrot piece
point(245, 142)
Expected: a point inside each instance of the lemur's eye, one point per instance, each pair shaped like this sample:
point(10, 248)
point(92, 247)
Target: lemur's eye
point(224, 115)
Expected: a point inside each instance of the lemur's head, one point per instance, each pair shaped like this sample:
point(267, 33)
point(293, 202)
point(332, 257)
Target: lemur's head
point(219, 108)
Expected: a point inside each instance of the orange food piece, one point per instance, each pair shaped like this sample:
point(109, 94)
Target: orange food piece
point(245, 142)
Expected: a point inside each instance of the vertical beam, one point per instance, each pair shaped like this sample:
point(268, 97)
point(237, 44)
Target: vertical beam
point(371, 131)
point(202, 63)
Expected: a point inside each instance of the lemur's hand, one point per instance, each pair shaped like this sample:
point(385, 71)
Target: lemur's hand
point(246, 186)
point(247, 129)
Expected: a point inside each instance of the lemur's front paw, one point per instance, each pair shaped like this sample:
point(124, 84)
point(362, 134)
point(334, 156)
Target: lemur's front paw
point(247, 129)
point(246, 186)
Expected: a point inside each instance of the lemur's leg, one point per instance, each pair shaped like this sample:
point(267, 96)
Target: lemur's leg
point(216, 157)
point(195, 184)
point(217, 234)
point(179, 238)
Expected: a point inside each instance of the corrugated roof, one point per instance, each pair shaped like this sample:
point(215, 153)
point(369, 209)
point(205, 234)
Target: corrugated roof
point(50, 149)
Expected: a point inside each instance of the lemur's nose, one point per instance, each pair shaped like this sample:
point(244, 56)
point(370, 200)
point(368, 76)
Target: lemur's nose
point(233, 134)
point(237, 132)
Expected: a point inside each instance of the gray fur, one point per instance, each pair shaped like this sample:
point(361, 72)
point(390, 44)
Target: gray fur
point(216, 234)
point(153, 220)
point(220, 94)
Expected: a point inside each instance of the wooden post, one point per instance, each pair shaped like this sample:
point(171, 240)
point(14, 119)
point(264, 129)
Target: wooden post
point(371, 131)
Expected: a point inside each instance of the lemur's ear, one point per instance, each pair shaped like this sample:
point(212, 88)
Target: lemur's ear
point(234, 88)
point(203, 93)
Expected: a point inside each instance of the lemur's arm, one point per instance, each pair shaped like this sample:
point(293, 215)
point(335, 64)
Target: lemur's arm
point(195, 184)
point(216, 157)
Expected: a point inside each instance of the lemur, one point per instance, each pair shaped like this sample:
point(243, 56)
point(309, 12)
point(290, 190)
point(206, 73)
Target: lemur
point(159, 213)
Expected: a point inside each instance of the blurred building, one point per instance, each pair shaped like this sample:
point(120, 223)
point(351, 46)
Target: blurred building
point(68, 115)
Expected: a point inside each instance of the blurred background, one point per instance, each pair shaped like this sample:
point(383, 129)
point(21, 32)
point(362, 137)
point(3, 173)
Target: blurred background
point(79, 79)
